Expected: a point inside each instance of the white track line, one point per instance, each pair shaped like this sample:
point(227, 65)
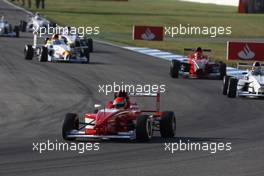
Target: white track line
point(171, 56)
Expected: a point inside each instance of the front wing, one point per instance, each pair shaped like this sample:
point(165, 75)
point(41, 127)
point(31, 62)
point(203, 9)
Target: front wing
point(121, 135)
point(249, 94)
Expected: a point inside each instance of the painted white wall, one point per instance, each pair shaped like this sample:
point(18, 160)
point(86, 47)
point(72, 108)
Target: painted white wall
point(219, 2)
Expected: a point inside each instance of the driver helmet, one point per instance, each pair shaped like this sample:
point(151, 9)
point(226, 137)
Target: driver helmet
point(199, 49)
point(119, 103)
point(55, 37)
point(256, 65)
point(198, 53)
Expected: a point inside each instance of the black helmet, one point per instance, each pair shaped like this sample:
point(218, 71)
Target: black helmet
point(256, 64)
point(199, 49)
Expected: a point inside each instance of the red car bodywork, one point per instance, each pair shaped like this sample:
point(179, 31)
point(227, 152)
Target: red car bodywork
point(192, 59)
point(115, 123)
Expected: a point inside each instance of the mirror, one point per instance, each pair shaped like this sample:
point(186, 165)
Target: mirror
point(97, 106)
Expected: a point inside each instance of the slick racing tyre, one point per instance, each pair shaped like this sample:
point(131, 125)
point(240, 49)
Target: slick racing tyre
point(167, 124)
point(28, 52)
point(232, 88)
point(71, 122)
point(52, 24)
point(23, 26)
point(89, 43)
point(87, 55)
point(174, 68)
point(144, 128)
point(43, 56)
point(16, 30)
point(222, 70)
point(225, 84)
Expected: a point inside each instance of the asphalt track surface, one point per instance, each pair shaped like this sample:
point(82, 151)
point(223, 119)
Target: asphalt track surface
point(34, 98)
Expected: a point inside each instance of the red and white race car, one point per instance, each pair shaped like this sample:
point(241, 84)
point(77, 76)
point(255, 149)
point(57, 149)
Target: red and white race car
point(197, 65)
point(116, 122)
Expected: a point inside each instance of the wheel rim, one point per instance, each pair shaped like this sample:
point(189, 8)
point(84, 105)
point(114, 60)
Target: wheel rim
point(174, 125)
point(149, 128)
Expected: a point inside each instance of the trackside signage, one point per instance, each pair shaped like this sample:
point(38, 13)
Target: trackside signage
point(150, 33)
point(248, 51)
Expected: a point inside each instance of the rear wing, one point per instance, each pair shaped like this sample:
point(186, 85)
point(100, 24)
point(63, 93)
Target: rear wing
point(246, 65)
point(149, 95)
point(194, 49)
point(244, 54)
point(187, 51)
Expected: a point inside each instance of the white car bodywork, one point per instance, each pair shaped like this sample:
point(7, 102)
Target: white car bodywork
point(59, 51)
point(70, 39)
point(251, 85)
point(6, 29)
point(56, 50)
point(35, 23)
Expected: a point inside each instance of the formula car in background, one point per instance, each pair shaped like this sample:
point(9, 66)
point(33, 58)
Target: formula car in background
point(7, 30)
point(35, 22)
point(121, 119)
point(55, 50)
point(250, 84)
point(197, 65)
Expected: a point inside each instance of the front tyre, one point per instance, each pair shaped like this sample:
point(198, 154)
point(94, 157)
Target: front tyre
point(28, 52)
point(144, 128)
point(222, 70)
point(71, 122)
point(175, 68)
point(168, 124)
point(43, 57)
point(232, 88)
point(225, 84)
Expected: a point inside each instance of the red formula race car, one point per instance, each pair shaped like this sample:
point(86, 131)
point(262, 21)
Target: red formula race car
point(121, 119)
point(197, 65)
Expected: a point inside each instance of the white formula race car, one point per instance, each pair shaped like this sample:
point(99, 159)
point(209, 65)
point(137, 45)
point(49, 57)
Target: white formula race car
point(55, 50)
point(7, 30)
point(250, 84)
point(35, 22)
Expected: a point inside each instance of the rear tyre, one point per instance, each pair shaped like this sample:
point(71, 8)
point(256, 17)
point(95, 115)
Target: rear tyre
point(168, 124)
point(90, 44)
point(52, 24)
point(87, 55)
point(28, 52)
point(222, 70)
point(225, 84)
point(71, 122)
point(43, 57)
point(16, 30)
point(174, 68)
point(144, 128)
point(23, 26)
point(232, 88)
